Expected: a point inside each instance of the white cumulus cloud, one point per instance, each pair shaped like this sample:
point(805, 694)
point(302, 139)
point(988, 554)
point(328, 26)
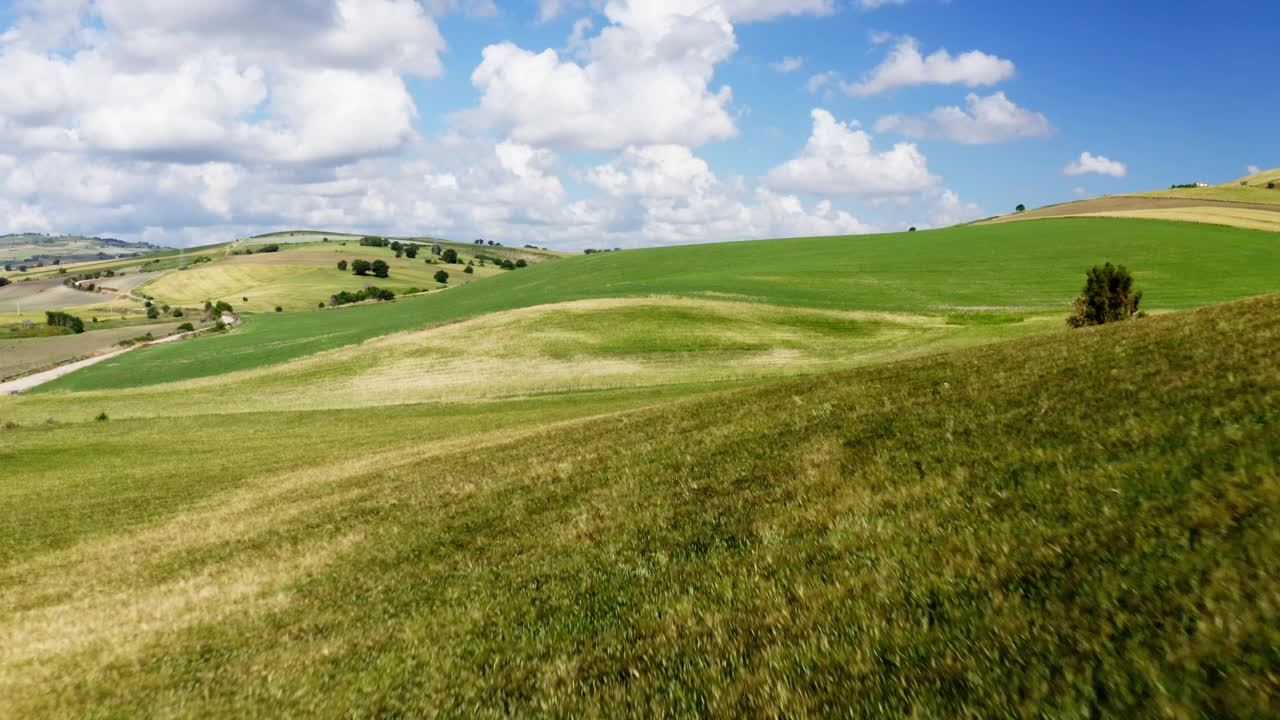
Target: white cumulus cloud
point(906, 66)
point(984, 120)
point(839, 159)
point(1099, 164)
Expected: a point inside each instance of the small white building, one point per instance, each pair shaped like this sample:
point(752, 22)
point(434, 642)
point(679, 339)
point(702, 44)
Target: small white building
point(1202, 184)
point(230, 319)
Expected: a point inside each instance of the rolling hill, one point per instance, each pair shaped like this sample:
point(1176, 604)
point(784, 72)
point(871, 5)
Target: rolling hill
point(32, 248)
point(1014, 269)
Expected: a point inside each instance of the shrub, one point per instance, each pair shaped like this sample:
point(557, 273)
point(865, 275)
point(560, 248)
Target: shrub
point(442, 277)
point(342, 265)
point(243, 299)
point(450, 256)
point(269, 248)
point(1271, 186)
point(521, 263)
point(1109, 296)
point(177, 312)
point(361, 267)
point(911, 229)
point(374, 242)
point(279, 309)
point(396, 246)
point(469, 270)
point(186, 327)
point(102, 417)
point(411, 252)
point(380, 268)
point(153, 313)
point(1021, 208)
point(4, 281)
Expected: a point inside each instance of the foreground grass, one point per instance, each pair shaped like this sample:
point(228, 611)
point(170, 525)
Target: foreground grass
point(1013, 267)
point(1071, 525)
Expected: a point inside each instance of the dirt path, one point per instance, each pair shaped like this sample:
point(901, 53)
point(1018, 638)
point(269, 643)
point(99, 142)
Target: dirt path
point(22, 384)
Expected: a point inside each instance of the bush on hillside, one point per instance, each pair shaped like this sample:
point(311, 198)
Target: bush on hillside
point(450, 256)
point(469, 270)
point(521, 263)
point(177, 312)
point(380, 268)
point(4, 281)
point(269, 248)
point(279, 309)
point(1109, 296)
point(342, 265)
point(442, 277)
point(361, 267)
point(153, 313)
point(411, 252)
point(373, 242)
point(186, 327)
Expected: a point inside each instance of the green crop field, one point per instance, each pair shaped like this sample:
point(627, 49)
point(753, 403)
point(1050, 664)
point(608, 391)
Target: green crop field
point(1013, 268)
point(1078, 523)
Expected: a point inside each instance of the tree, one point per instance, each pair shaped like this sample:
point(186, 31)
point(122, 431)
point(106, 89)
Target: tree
point(4, 281)
point(450, 256)
point(1271, 186)
point(342, 265)
point(521, 263)
point(1021, 208)
point(381, 268)
point(1109, 296)
point(361, 267)
point(442, 277)
point(279, 309)
point(269, 248)
point(177, 312)
point(912, 229)
point(469, 270)
point(478, 242)
point(153, 313)
point(411, 252)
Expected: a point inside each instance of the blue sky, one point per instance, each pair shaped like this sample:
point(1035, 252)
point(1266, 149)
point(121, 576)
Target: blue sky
point(655, 122)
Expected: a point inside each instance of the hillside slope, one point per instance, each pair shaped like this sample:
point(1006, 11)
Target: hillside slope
point(1010, 268)
point(1077, 524)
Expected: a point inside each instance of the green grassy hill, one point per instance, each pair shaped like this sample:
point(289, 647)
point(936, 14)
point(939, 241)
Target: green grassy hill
point(1075, 524)
point(1011, 269)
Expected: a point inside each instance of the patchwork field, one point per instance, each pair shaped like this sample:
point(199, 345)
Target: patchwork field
point(1248, 218)
point(898, 539)
point(22, 355)
point(1013, 268)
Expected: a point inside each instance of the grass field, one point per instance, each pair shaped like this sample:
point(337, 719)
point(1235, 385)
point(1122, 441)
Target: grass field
point(591, 345)
point(1010, 268)
point(1223, 193)
point(1073, 524)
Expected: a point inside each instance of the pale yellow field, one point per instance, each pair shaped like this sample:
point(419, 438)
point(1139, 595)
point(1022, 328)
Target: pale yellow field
point(1242, 218)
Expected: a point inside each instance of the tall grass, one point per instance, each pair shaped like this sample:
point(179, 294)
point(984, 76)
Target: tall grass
point(1080, 524)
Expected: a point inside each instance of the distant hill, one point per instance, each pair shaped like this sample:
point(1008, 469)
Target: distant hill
point(1251, 202)
point(37, 247)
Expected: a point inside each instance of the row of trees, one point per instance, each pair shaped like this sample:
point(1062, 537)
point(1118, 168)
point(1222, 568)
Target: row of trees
point(370, 293)
point(378, 268)
point(60, 319)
